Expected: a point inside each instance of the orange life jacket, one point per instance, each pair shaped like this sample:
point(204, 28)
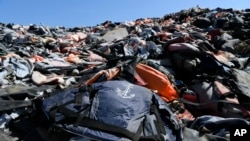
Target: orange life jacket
point(158, 81)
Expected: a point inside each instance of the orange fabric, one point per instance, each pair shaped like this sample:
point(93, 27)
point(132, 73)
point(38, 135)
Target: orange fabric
point(70, 50)
point(38, 58)
point(72, 58)
point(110, 74)
point(157, 81)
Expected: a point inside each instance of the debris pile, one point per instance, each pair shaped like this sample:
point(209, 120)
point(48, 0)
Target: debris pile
point(196, 63)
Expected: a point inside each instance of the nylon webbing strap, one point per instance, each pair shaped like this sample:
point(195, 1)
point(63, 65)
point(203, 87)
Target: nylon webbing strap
point(159, 122)
point(151, 138)
point(95, 124)
point(203, 104)
point(73, 118)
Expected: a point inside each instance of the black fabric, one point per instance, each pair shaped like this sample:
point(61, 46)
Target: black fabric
point(25, 130)
point(242, 84)
point(203, 104)
point(220, 22)
point(209, 64)
point(202, 22)
point(6, 105)
point(206, 46)
point(193, 135)
point(128, 69)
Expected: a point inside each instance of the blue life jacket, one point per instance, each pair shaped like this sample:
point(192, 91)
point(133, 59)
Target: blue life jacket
point(113, 110)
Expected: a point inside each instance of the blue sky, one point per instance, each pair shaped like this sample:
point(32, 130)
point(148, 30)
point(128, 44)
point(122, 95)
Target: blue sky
point(71, 13)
